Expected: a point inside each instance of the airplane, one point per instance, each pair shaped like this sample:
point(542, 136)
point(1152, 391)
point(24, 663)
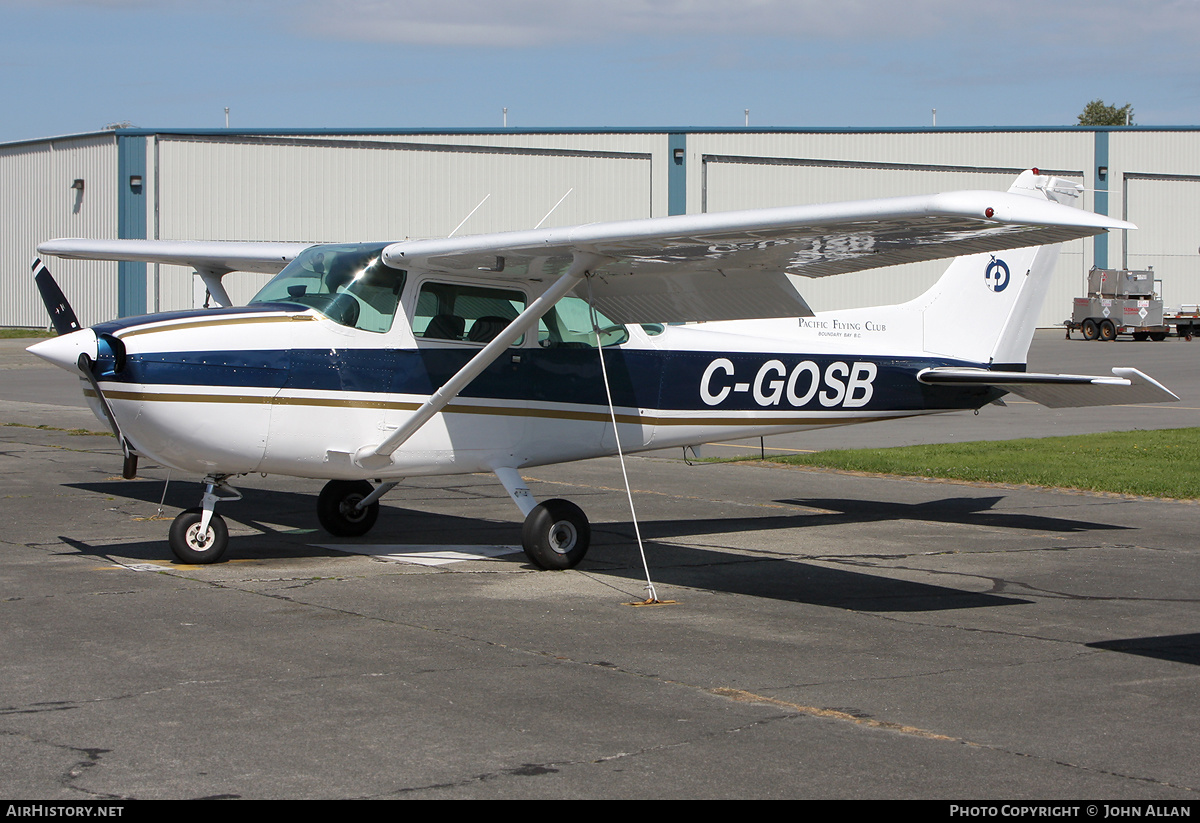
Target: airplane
point(365, 363)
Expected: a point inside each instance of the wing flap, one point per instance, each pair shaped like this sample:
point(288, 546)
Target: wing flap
point(1060, 391)
point(690, 295)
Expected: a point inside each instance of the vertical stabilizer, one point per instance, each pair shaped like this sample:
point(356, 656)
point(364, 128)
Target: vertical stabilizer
point(985, 307)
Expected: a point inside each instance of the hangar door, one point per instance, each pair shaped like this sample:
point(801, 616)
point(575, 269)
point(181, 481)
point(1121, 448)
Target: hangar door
point(336, 190)
point(740, 182)
point(1166, 209)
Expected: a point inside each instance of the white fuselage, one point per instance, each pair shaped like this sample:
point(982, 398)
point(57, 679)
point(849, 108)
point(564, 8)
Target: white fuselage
point(291, 392)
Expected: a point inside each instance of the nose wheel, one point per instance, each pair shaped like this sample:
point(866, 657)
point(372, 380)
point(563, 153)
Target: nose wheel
point(195, 542)
point(200, 536)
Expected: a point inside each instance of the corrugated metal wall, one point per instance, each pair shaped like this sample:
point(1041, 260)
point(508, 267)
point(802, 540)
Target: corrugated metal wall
point(1155, 182)
point(329, 187)
point(36, 179)
point(329, 190)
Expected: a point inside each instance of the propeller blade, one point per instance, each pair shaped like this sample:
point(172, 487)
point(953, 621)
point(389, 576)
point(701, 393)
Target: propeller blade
point(129, 469)
point(61, 314)
point(65, 322)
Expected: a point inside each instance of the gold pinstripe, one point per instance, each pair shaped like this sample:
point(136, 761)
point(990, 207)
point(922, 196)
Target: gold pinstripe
point(462, 408)
point(227, 321)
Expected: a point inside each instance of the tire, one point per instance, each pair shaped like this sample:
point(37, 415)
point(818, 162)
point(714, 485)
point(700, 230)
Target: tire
point(335, 508)
point(186, 542)
point(1091, 331)
point(1158, 336)
point(1141, 335)
point(556, 535)
point(1108, 330)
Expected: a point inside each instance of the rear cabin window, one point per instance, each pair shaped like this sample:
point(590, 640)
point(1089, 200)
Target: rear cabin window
point(466, 314)
point(569, 326)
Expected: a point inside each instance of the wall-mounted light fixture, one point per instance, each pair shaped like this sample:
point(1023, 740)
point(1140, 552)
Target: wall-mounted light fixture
point(1102, 172)
point(78, 184)
point(679, 157)
point(135, 181)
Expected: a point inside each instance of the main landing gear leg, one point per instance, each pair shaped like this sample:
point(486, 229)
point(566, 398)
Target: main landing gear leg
point(199, 535)
point(556, 534)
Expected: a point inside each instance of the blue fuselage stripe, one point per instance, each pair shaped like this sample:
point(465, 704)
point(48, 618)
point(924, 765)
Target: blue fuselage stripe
point(646, 379)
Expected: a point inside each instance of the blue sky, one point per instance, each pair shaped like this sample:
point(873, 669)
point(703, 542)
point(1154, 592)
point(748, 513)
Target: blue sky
point(76, 65)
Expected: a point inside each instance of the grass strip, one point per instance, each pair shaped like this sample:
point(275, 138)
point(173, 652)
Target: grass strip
point(73, 432)
point(1155, 463)
point(19, 334)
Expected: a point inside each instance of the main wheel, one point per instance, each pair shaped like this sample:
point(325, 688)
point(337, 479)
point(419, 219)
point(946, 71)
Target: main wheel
point(1108, 329)
point(336, 508)
point(1158, 336)
point(190, 546)
point(1091, 330)
point(556, 535)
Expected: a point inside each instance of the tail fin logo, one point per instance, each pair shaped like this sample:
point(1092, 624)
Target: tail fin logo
point(996, 276)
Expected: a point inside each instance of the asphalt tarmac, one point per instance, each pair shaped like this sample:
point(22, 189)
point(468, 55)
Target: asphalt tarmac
point(832, 636)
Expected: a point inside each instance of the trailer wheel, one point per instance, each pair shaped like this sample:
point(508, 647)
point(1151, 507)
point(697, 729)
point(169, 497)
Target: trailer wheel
point(1141, 335)
point(1108, 330)
point(1090, 330)
point(1158, 336)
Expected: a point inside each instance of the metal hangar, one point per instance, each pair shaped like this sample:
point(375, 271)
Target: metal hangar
point(332, 185)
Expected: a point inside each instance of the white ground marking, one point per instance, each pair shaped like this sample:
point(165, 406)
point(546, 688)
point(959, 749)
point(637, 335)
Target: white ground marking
point(427, 555)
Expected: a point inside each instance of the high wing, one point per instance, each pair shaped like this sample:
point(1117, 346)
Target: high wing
point(734, 265)
point(725, 266)
point(216, 256)
point(212, 259)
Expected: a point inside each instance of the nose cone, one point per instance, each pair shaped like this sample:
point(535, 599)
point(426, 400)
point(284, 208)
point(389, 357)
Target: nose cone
point(64, 351)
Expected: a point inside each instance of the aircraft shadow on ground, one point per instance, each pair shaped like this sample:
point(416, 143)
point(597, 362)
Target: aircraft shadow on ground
point(774, 577)
point(1178, 648)
point(967, 511)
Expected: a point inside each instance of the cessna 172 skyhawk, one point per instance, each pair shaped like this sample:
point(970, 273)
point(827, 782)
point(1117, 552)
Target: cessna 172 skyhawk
point(378, 361)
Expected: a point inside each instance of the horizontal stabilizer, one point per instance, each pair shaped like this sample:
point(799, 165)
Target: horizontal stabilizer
point(1059, 391)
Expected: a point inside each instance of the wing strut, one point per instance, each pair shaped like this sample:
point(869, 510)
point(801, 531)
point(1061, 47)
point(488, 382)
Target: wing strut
point(376, 457)
point(212, 282)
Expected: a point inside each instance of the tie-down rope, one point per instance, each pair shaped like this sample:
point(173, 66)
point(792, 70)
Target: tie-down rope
point(612, 412)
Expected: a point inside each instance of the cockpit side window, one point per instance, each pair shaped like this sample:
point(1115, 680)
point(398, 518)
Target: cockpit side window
point(462, 313)
point(348, 283)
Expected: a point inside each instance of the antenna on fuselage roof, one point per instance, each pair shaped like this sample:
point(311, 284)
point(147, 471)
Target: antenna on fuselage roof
point(556, 205)
point(468, 217)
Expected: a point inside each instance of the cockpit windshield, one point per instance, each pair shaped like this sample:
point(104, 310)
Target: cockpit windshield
point(348, 283)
